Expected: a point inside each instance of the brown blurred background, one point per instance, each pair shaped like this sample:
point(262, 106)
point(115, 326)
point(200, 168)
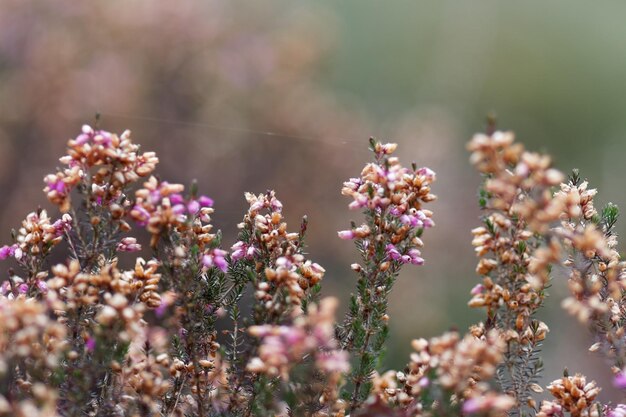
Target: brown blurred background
point(246, 96)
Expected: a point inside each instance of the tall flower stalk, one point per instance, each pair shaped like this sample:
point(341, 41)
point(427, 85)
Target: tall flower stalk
point(391, 197)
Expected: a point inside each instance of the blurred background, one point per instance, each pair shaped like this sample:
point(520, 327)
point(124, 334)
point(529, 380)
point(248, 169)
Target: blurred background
point(283, 94)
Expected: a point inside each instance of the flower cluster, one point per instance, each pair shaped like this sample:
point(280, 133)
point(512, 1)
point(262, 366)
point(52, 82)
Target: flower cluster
point(518, 181)
point(516, 247)
point(393, 195)
point(106, 298)
point(33, 242)
point(161, 207)
point(32, 346)
point(597, 275)
point(453, 366)
point(574, 395)
point(103, 162)
point(311, 334)
point(266, 245)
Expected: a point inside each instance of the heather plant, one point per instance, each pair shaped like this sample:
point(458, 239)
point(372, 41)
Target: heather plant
point(191, 328)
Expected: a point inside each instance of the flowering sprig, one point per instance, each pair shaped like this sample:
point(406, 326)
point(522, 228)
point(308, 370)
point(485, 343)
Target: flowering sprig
point(284, 283)
point(391, 197)
point(516, 250)
point(194, 279)
point(312, 334)
point(117, 163)
point(576, 396)
point(530, 228)
point(307, 343)
point(283, 277)
point(597, 274)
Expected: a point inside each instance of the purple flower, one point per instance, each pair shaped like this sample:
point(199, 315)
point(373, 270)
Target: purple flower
point(395, 211)
point(23, 288)
point(241, 250)
point(392, 252)
point(5, 252)
point(57, 185)
point(103, 138)
point(284, 262)
point(176, 198)
point(62, 225)
point(90, 344)
point(160, 310)
point(205, 201)
point(411, 220)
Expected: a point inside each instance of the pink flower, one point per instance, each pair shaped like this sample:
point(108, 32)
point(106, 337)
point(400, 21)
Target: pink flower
point(141, 215)
point(333, 361)
point(128, 244)
point(5, 288)
point(346, 234)
point(242, 250)
point(85, 136)
point(620, 380)
point(193, 206)
point(471, 406)
point(57, 185)
point(428, 173)
point(415, 256)
point(276, 205)
point(43, 287)
point(5, 252)
point(360, 201)
point(478, 289)
point(179, 209)
point(618, 411)
point(62, 225)
point(238, 251)
point(216, 258)
point(392, 252)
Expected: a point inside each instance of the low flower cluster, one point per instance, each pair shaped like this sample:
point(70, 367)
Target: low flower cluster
point(192, 328)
